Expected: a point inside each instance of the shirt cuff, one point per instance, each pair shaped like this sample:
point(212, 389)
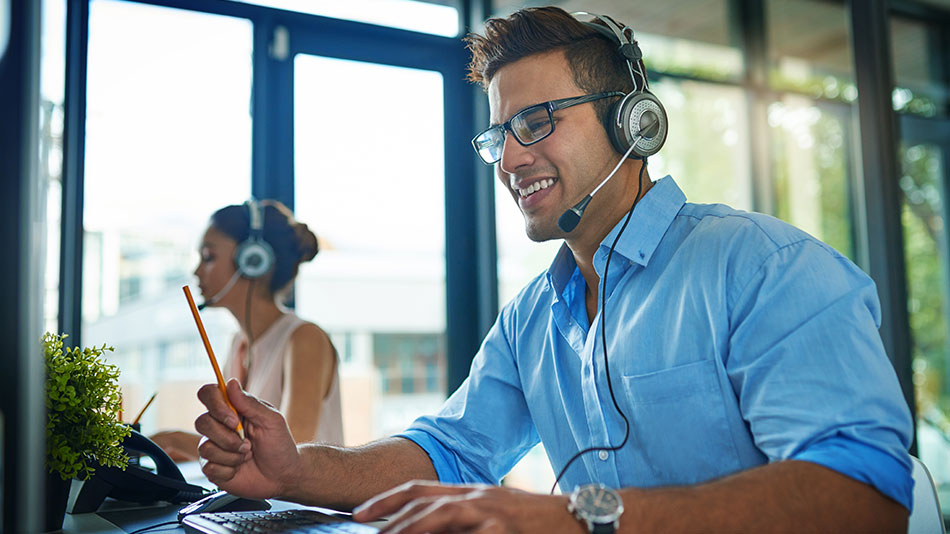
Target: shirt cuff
point(889, 474)
point(444, 462)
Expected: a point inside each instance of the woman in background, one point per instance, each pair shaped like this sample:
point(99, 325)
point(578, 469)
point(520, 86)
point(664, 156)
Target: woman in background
point(250, 255)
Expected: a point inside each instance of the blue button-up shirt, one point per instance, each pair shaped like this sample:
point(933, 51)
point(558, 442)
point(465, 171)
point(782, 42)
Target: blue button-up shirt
point(733, 340)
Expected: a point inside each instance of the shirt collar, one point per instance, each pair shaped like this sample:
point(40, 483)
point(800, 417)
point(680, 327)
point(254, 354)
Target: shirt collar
point(561, 269)
point(650, 220)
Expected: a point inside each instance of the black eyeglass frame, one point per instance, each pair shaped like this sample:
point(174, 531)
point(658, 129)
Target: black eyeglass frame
point(550, 106)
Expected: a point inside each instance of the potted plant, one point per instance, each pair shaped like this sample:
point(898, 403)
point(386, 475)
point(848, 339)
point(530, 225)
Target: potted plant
point(82, 425)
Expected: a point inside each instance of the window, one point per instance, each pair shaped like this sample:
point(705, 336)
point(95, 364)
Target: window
point(410, 363)
point(167, 143)
point(694, 46)
point(429, 17)
point(810, 58)
point(370, 182)
point(810, 165)
point(717, 168)
point(924, 171)
point(922, 99)
point(921, 86)
point(809, 49)
point(52, 86)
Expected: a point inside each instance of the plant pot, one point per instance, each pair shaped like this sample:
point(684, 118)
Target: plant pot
point(57, 493)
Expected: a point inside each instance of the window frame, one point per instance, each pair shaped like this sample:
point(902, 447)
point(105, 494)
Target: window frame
point(468, 312)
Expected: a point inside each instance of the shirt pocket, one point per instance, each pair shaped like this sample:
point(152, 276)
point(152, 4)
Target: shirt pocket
point(679, 427)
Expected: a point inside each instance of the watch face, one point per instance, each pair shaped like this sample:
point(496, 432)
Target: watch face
point(598, 503)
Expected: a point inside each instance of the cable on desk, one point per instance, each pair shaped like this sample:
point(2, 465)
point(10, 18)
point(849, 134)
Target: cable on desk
point(165, 524)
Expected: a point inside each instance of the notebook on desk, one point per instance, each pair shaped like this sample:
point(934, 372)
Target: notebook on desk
point(271, 522)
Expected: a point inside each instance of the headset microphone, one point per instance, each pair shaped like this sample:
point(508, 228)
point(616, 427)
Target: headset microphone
point(220, 294)
point(570, 218)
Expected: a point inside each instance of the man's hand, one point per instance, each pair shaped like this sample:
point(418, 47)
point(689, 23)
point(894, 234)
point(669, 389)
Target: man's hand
point(265, 464)
point(427, 507)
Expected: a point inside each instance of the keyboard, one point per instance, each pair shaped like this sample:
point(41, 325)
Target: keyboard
point(282, 522)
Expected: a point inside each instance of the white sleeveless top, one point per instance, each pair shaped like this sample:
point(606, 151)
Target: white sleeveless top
point(270, 369)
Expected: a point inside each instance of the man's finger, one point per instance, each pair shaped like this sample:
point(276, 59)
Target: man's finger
point(454, 513)
point(210, 451)
point(210, 395)
point(220, 433)
point(218, 474)
point(246, 405)
point(391, 501)
point(408, 513)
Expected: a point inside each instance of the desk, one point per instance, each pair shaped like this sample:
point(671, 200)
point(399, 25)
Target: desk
point(135, 518)
point(116, 517)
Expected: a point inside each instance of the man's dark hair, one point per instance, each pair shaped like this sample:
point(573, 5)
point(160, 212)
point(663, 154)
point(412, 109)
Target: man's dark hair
point(595, 61)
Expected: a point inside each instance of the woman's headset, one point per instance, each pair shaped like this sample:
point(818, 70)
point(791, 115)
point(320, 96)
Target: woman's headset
point(254, 257)
point(638, 117)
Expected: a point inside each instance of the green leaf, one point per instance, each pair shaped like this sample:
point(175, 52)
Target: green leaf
point(83, 396)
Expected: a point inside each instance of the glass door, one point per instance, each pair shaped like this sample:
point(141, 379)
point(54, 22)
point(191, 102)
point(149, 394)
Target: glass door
point(925, 175)
point(370, 181)
point(375, 128)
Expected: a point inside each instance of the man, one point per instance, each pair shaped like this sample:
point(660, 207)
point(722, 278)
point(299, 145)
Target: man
point(732, 380)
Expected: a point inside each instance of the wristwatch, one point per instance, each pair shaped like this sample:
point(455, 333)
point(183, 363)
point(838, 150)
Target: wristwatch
point(598, 507)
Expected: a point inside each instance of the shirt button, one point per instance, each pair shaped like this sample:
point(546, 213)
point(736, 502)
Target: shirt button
point(603, 455)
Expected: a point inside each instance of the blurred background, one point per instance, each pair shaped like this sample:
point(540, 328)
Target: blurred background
point(154, 113)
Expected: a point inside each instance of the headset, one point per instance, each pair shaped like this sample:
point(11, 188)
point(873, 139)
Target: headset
point(254, 257)
point(638, 120)
point(637, 127)
point(636, 124)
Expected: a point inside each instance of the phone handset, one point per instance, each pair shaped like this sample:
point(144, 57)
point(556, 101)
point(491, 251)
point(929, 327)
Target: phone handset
point(137, 483)
point(164, 465)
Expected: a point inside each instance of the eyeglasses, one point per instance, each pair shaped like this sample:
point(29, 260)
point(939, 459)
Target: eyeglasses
point(530, 125)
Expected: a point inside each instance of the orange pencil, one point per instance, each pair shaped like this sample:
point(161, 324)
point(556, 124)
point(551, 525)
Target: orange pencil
point(214, 361)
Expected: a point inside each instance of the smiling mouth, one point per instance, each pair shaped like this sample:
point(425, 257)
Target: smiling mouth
point(535, 187)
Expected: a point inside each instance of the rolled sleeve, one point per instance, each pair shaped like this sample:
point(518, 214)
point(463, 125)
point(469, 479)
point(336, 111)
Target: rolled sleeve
point(890, 474)
point(485, 427)
point(445, 463)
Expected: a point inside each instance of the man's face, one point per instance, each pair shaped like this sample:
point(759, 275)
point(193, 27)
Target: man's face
point(547, 178)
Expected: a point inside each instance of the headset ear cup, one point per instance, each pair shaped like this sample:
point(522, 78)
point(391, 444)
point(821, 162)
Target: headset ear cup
point(639, 110)
point(611, 122)
point(254, 258)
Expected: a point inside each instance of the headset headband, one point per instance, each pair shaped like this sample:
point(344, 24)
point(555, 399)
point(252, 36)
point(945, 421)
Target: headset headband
point(257, 223)
point(629, 48)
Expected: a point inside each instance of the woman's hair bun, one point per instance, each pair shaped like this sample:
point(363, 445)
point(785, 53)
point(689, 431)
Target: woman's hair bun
point(307, 246)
